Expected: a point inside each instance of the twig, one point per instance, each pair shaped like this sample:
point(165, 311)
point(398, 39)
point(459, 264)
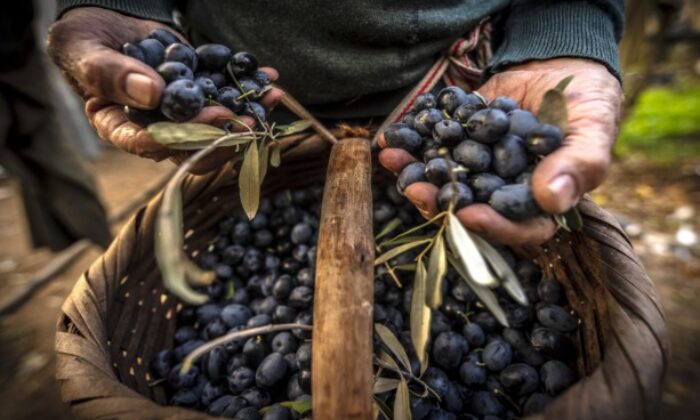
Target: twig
point(236, 335)
point(301, 112)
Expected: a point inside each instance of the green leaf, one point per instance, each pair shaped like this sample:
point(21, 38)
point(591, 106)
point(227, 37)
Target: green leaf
point(404, 240)
point(234, 139)
point(249, 181)
point(293, 128)
point(402, 402)
point(405, 267)
point(386, 358)
point(437, 267)
point(563, 83)
point(383, 408)
point(484, 294)
point(465, 249)
point(276, 155)
point(398, 251)
point(169, 133)
point(420, 316)
point(300, 406)
point(509, 281)
point(574, 219)
point(382, 385)
point(393, 344)
point(561, 222)
point(388, 228)
point(553, 110)
point(263, 159)
point(419, 227)
point(230, 290)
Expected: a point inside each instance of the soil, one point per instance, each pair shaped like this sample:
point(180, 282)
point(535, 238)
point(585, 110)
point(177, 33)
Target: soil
point(645, 194)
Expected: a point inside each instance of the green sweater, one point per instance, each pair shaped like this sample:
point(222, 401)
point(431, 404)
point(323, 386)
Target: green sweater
point(358, 57)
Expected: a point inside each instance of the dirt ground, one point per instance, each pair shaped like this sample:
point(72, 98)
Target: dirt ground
point(648, 196)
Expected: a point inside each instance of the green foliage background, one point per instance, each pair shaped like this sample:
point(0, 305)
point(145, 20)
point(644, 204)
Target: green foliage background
point(664, 125)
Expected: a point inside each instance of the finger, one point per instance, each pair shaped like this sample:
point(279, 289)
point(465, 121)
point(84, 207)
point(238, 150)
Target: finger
point(395, 159)
point(582, 162)
point(423, 195)
point(381, 141)
point(273, 74)
point(485, 221)
point(111, 124)
point(272, 98)
point(109, 75)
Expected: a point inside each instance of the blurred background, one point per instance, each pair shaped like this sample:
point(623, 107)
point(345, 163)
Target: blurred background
point(653, 189)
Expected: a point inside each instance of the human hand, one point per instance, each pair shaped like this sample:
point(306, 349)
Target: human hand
point(593, 102)
point(86, 45)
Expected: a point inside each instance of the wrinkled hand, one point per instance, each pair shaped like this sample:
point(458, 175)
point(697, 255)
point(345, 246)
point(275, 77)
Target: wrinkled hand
point(86, 45)
point(581, 164)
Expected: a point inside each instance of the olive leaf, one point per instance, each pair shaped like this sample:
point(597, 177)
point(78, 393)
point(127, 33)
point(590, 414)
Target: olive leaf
point(275, 155)
point(402, 402)
point(263, 159)
point(420, 316)
point(405, 267)
point(229, 140)
point(175, 267)
point(404, 240)
point(249, 181)
point(168, 133)
point(383, 408)
point(230, 290)
point(469, 256)
point(561, 222)
point(300, 406)
point(388, 228)
point(437, 267)
point(293, 128)
point(382, 385)
point(393, 344)
point(386, 358)
point(573, 219)
point(399, 250)
point(553, 110)
point(484, 294)
point(563, 83)
point(509, 281)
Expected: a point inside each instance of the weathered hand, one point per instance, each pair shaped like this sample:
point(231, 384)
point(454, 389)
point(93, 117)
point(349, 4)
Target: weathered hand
point(85, 44)
point(593, 104)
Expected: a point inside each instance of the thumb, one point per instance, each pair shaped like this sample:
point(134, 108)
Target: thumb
point(580, 165)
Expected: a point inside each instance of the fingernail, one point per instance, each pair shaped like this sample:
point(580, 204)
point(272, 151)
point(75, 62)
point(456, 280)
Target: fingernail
point(564, 188)
point(139, 88)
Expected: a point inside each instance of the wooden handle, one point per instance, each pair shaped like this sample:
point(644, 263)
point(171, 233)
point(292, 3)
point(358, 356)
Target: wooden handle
point(342, 322)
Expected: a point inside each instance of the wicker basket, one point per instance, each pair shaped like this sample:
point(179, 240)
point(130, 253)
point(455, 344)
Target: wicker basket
point(118, 314)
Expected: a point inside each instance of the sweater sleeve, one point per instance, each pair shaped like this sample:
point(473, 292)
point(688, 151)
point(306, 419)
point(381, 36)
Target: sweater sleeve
point(542, 29)
point(158, 10)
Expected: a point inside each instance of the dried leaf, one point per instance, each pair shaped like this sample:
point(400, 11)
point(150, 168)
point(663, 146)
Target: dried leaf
point(420, 316)
point(509, 281)
point(437, 267)
point(382, 385)
point(276, 155)
point(293, 128)
point(388, 228)
point(169, 133)
point(393, 344)
point(468, 254)
point(399, 250)
point(484, 294)
point(563, 83)
point(402, 402)
point(553, 110)
point(249, 181)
